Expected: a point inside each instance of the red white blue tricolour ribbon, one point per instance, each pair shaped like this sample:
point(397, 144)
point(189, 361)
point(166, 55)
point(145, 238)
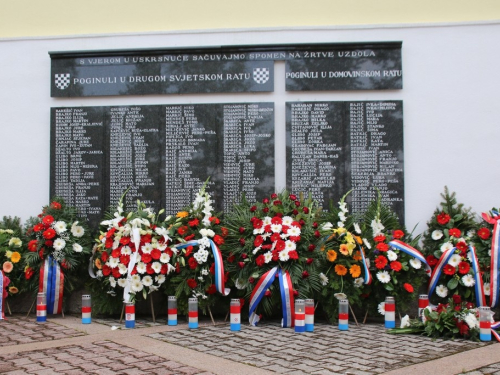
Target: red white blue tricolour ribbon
point(404, 247)
point(445, 257)
point(368, 276)
point(495, 257)
point(52, 284)
point(2, 316)
point(258, 292)
point(218, 265)
point(478, 286)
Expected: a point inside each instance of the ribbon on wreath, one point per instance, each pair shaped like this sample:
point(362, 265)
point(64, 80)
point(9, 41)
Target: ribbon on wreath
point(405, 248)
point(368, 276)
point(218, 264)
point(2, 315)
point(443, 260)
point(286, 291)
point(478, 285)
point(136, 237)
point(495, 257)
point(52, 284)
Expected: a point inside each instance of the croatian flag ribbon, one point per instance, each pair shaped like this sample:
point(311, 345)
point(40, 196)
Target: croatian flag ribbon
point(218, 264)
point(52, 284)
point(495, 257)
point(287, 300)
point(404, 247)
point(495, 334)
point(445, 257)
point(478, 286)
point(136, 237)
point(258, 292)
point(2, 315)
point(368, 276)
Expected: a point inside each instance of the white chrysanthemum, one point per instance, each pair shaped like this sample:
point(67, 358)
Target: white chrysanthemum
point(268, 257)
point(470, 233)
point(59, 227)
point(112, 282)
point(135, 277)
point(468, 280)
point(290, 245)
point(377, 227)
point(156, 266)
point(59, 244)
point(471, 321)
point(287, 220)
point(200, 278)
point(147, 248)
point(415, 263)
point(207, 232)
point(204, 242)
point(122, 282)
point(381, 308)
point(113, 262)
point(136, 286)
point(240, 284)
point(201, 256)
point(367, 243)
point(437, 234)
point(141, 267)
point(267, 220)
point(487, 289)
point(294, 231)
point(77, 248)
point(327, 226)
point(358, 282)
point(15, 242)
point(122, 269)
point(99, 274)
point(147, 280)
point(204, 272)
point(441, 291)
point(283, 255)
point(391, 255)
point(323, 279)
point(126, 250)
point(164, 258)
point(160, 279)
point(276, 228)
point(405, 321)
point(357, 228)
point(383, 277)
point(446, 246)
point(77, 230)
point(455, 260)
point(258, 230)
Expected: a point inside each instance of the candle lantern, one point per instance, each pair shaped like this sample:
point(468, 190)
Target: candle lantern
point(172, 311)
point(41, 308)
point(129, 315)
point(235, 314)
point(484, 323)
point(423, 302)
point(390, 312)
point(193, 313)
point(86, 309)
point(343, 314)
point(300, 316)
point(309, 315)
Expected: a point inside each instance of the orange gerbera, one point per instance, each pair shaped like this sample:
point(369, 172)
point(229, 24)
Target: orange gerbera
point(355, 270)
point(344, 249)
point(13, 289)
point(331, 255)
point(182, 214)
point(98, 264)
point(357, 256)
point(340, 270)
point(15, 257)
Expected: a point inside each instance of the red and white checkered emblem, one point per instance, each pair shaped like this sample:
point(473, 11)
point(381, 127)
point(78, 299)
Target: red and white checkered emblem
point(261, 75)
point(62, 81)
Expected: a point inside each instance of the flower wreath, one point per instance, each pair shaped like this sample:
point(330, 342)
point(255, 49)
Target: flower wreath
point(11, 253)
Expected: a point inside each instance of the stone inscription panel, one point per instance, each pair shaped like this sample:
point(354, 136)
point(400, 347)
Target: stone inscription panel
point(333, 147)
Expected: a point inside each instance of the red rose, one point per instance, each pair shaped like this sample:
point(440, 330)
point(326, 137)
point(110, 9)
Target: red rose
point(241, 230)
point(277, 202)
point(382, 246)
point(457, 299)
point(441, 307)
point(194, 222)
point(292, 197)
point(274, 196)
point(443, 218)
point(397, 234)
point(484, 233)
point(49, 234)
point(260, 260)
point(295, 293)
point(396, 266)
point(230, 258)
point(32, 245)
point(315, 225)
point(192, 283)
point(380, 262)
point(244, 256)
point(305, 210)
point(104, 257)
point(469, 305)
point(311, 247)
point(47, 220)
point(463, 268)
point(317, 234)
point(211, 289)
point(253, 208)
point(55, 205)
point(408, 287)
point(431, 260)
point(295, 212)
point(463, 328)
point(309, 260)
point(455, 232)
point(192, 263)
point(155, 254)
point(267, 293)
point(265, 200)
point(379, 238)
point(449, 270)
point(241, 264)
point(305, 274)
point(265, 210)
point(297, 204)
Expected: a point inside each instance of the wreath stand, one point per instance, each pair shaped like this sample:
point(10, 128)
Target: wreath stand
point(31, 308)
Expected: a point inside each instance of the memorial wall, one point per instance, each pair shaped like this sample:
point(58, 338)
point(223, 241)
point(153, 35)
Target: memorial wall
point(162, 154)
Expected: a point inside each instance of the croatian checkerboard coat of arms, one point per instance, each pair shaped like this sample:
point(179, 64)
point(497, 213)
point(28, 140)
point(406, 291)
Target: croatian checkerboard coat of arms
point(261, 75)
point(62, 80)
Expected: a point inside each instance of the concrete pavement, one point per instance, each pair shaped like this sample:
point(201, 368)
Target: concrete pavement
point(65, 346)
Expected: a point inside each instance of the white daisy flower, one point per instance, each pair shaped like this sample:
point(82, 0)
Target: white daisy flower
point(327, 226)
point(283, 255)
point(156, 266)
point(160, 279)
point(126, 250)
point(381, 308)
point(441, 291)
point(147, 248)
point(391, 255)
point(437, 234)
point(268, 257)
point(59, 227)
point(294, 231)
point(122, 269)
point(287, 220)
point(112, 282)
point(77, 230)
point(455, 260)
point(468, 280)
point(357, 229)
point(367, 243)
point(77, 248)
point(59, 244)
point(258, 230)
point(122, 282)
point(383, 276)
point(471, 321)
point(267, 220)
point(113, 262)
point(136, 286)
point(147, 280)
point(276, 228)
point(405, 321)
point(415, 263)
point(323, 279)
point(290, 245)
point(446, 246)
point(135, 277)
point(487, 289)
point(164, 258)
point(141, 267)
point(358, 282)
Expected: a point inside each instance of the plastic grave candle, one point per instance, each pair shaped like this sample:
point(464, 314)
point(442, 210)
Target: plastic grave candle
point(193, 313)
point(235, 314)
point(343, 314)
point(172, 311)
point(129, 315)
point(41, 308)
point(86, 309)
point(300, 316)
point(390, 312)
point(423, 302)
point(309, 315)
point(484, 323)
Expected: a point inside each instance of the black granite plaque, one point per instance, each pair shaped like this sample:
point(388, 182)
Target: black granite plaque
point(333, 147)
point(77, 159)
